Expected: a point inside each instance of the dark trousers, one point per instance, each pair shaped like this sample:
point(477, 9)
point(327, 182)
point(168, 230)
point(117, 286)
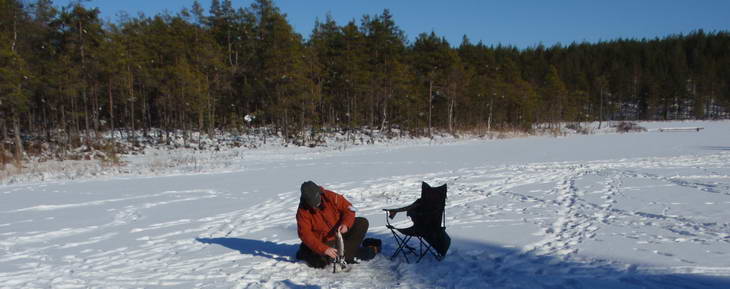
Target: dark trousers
point(352, 239)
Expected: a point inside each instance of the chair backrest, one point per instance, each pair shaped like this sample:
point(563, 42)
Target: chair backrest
point(428, 215)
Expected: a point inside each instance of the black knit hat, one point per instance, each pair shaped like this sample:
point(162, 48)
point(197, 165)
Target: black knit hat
point(311, 194)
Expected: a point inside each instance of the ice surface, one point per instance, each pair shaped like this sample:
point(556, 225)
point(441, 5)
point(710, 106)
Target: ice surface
point(636, 210)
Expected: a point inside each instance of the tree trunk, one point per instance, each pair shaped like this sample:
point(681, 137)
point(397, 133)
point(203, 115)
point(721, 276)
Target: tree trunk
point(95, 108)
point(131, 99)
point(211, 106)
point(86, 113)
point(450, 110)
point(111, 116)
point(430, 100)
point(111, 108)
point(45, 119)
point(74, 119)
point(451, 115)
point(349, 108)
point(18, 142)
point(372, 109)
point(489, 119)
point(83, 80)
point(385, 114)
point(146, 114)
point(286, 125)
point(4, 124)
point(147, 110)
point(64, 126)
point(31, 128)
point(600, 109)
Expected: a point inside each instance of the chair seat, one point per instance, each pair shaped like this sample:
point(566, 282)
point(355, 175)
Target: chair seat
point(410, 231)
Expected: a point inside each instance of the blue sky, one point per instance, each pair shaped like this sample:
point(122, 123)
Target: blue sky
point(522, 23)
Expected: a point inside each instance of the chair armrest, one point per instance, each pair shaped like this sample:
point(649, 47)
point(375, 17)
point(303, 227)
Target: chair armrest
point(403, 209)
point(390, 213)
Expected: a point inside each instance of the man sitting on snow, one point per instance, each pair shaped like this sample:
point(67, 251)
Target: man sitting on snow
point(321, 214)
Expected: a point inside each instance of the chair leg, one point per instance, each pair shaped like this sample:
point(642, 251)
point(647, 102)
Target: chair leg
point(397, 250)
point(421, 251)
point(402, 243)
point(398, 242)
point(424, 248)
point(435, 255)
point(428, 249)
point(406, 246)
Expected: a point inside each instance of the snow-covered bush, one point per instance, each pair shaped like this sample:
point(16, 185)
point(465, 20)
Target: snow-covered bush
point(576, 126)
point(627, 126)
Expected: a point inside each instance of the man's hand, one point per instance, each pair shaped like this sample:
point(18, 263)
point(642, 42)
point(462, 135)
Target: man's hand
point(343, 229)
point(331, 252)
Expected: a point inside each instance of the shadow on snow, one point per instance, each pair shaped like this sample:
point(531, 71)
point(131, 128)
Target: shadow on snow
point(473, 264)
point(271, 250)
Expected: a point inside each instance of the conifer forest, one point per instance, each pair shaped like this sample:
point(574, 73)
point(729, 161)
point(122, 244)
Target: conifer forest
point(67, 75)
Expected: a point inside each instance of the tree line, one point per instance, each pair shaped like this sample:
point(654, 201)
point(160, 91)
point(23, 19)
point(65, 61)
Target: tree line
point(66, 74)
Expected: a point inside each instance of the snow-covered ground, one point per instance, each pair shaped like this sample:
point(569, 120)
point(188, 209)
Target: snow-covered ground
point(636, 210)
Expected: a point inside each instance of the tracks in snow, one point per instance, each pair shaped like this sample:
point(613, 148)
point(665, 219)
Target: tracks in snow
point(197, 239)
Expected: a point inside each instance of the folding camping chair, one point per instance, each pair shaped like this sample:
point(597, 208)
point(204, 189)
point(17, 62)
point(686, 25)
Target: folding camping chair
point(429, 225)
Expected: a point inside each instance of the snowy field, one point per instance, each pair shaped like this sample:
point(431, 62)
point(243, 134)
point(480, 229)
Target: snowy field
point(637, 210)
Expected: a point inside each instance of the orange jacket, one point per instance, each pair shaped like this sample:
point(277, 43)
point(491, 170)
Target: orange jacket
point(315, 227)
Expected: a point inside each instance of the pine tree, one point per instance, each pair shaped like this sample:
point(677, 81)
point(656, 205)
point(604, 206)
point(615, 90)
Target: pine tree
point(40, 36)
point(554, 96)
point(355, 74)
point(13, 71)
point(325, 54)
point(386, 43)
point(432, 61)
point(280, 61)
